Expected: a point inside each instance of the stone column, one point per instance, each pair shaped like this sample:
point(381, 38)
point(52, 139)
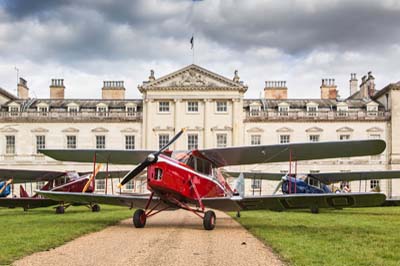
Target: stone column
point(207, 138)
point(177, 125)
point(237, 121)
point(149, 125)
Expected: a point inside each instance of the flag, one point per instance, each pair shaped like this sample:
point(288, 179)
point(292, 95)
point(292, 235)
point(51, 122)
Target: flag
point(192, 42)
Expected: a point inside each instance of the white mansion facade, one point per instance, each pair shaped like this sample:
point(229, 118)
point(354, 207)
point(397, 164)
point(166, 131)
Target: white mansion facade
point(215, 112)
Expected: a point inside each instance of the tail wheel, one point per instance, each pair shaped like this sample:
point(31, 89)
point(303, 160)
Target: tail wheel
point(314, 209)
point(209, 220)
point(139, 218)
point(60, 209)
point(95, 208)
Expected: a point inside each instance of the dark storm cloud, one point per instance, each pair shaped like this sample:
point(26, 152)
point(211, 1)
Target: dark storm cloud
point(114, 29)
point(296, 27)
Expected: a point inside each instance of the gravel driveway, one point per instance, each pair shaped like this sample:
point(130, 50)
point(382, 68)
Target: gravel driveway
point(169, 238)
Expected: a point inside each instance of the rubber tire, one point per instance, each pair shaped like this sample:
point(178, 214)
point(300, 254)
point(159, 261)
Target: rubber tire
point(209, 220)
point(314, 210)
point(95, 208)
point(139, 218)
point(60, 209)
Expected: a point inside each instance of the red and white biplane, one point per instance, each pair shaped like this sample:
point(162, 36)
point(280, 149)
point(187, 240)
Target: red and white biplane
point(192, 180)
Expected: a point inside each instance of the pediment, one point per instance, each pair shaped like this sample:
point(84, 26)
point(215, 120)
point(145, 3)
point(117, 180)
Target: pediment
point(284, 129)
point(70, 130)
point(255, 130)
point(129, 130)
point(99, 130)
point(39, 130)
point(226, 128)
point(375, 129)
point(192, 77)
point(8, 129)
point(345, 129)
point(314, 129)
point(195, 129)
point(163, 129)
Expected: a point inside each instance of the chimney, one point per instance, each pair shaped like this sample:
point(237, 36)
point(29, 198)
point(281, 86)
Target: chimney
point(113, 90)
point(367, 86)
point(329, 89)
point(275, 90)
point(23, 90)
point(353, 84)
point(57, 89)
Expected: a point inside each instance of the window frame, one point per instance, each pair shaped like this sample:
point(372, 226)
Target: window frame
point(162, 142)
point(10, 148)
point(221, 109)
point(100, 142)
point(221, 136)
point(42, 145)
point(127, 142)
point(281, 136)
point(68, 144)
point(192, 109)
point(195, 144)
point(164, 109)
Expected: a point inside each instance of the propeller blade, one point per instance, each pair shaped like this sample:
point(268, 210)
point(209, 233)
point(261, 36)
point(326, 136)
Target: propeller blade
point(284, 178)
point(151, 158)
point(171, 141)
point(277, 187)
point(134, 172)
point(92, 176)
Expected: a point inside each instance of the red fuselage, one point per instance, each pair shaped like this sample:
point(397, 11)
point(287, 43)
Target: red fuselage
point(170, 177)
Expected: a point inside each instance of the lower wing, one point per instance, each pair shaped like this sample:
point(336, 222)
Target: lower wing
point(273, 202)
point(27, 203)
point(132, 201)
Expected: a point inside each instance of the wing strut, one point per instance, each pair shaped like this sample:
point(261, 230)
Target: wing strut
point(291, 165)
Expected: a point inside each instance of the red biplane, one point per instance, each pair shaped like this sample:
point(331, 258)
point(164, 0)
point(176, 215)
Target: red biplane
point(55, 181)
point(192, 180)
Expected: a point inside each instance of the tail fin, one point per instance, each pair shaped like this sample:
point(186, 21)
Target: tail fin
point(22, 192)
point(239, 185)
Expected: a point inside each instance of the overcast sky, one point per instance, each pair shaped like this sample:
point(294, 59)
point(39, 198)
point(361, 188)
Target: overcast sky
point(303, 41)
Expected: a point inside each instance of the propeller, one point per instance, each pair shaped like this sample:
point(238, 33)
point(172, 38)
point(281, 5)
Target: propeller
point(150, 159)
point(284, 178)
point(92, 176)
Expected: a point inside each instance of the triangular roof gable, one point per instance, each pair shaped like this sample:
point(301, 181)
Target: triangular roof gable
point(193, 76)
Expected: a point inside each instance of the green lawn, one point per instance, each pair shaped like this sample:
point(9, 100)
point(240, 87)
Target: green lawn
point(369, 236)
point(23, 233)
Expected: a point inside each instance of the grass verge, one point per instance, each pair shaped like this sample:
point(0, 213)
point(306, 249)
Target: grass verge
point(23, 233)
point(368, 236)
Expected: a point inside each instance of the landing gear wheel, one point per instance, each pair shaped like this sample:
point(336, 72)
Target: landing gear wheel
point(60, 209)
point(95, 208)
point(314, 210)
point(209, 220)
point(139, 218)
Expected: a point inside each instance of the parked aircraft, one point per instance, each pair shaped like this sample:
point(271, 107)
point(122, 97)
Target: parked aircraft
point(192, 180)
point(56, 181)
point(317, 183)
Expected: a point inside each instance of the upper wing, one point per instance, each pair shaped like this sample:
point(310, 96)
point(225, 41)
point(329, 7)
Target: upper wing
point(295, 151)
point(297, 201)
point(256, 175)
point(22, 176)
point(102, 156)
point(329, 178)
point(104, 174)
point(326, 178)
point(133, 201)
